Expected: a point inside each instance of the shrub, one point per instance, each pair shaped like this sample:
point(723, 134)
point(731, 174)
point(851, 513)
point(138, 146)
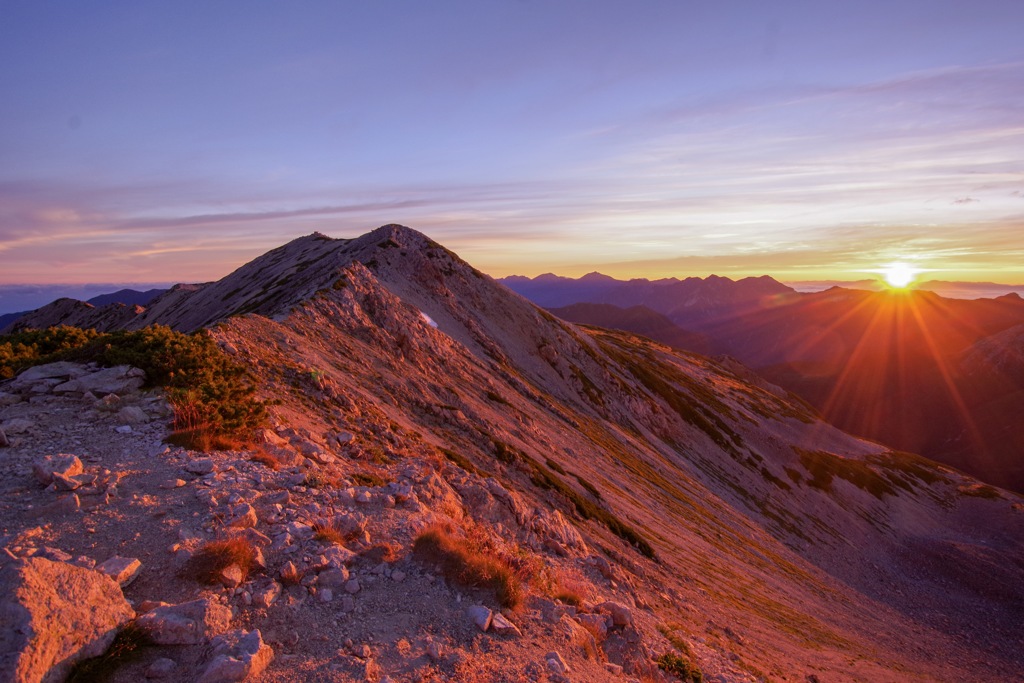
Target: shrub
point(379, 553)
point(216, 556)
point(213, 396)
point(679, 667)
point(461, 460)
point(369, 479)
point(36, 347)
point(568, 596)
point(468, 566)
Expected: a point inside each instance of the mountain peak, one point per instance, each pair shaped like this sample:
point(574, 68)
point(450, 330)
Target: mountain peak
point(597, 277)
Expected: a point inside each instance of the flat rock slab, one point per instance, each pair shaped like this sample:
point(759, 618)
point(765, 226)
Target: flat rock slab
point(120, 380)
point(123, 570)
point(54, 615)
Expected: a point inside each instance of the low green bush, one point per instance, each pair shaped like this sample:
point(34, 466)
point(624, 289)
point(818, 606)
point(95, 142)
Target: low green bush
point(213, 396)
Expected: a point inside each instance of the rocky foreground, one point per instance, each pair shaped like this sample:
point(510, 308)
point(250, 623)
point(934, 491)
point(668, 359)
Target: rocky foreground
point(99, 533)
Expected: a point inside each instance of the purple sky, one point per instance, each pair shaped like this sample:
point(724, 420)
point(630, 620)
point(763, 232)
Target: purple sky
point(173, 141)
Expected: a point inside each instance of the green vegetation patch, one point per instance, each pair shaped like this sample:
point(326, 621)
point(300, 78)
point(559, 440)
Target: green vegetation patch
point(681, 668)
point(25, 349)
point(824, 467)
point(212, 395)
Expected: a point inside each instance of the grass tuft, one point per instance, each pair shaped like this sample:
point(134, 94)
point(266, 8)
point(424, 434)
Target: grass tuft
point(214, 557)
point(266, 459)
point(466, 566)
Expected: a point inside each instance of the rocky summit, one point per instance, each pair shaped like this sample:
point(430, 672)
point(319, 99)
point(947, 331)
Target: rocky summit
point(454, 485)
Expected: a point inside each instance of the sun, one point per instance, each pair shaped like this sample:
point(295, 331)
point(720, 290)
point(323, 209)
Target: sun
point(899, 275)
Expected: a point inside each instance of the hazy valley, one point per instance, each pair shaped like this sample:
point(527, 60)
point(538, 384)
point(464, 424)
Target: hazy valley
point(913, 370)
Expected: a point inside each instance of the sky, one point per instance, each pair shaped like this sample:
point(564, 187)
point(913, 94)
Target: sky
point(174, 141)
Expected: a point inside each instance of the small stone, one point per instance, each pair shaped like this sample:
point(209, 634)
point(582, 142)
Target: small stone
point(189, 623)
point(123, 429)
point(613, 668)
point(62, 483)
point(243, 516)
point(325, 595)
point(556, 664)
point(231, 576)
point(123, 570)
point(200, 466)
point(45, 467)
point(352, 586)
point(398, 575)
point(239, 656)
point(161, 668)
point(172, 484)
point(504, 627)
point(435, 651)
point(4, 443)
point(132, 415)
point(267, 595)
point(480, 615)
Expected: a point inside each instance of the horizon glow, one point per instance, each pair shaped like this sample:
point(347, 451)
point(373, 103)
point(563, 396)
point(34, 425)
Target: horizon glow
point(807, 142)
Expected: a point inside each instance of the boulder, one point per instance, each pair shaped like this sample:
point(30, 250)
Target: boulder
point(18, 425)
point(237, 656)
point(189, 623)
point(621, 615)
point(61, 369)
point(64, 464)
point(54, 615)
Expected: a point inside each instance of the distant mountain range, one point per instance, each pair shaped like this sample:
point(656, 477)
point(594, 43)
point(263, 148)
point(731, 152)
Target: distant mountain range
point(124, 297)
point(944, 288)
point(942, 377)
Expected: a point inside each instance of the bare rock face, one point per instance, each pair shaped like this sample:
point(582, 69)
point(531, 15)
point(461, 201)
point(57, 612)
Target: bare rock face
point(54, 615)
point(189, 623)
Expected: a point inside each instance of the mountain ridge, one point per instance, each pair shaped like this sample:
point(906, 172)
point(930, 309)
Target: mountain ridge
point(820, 551)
